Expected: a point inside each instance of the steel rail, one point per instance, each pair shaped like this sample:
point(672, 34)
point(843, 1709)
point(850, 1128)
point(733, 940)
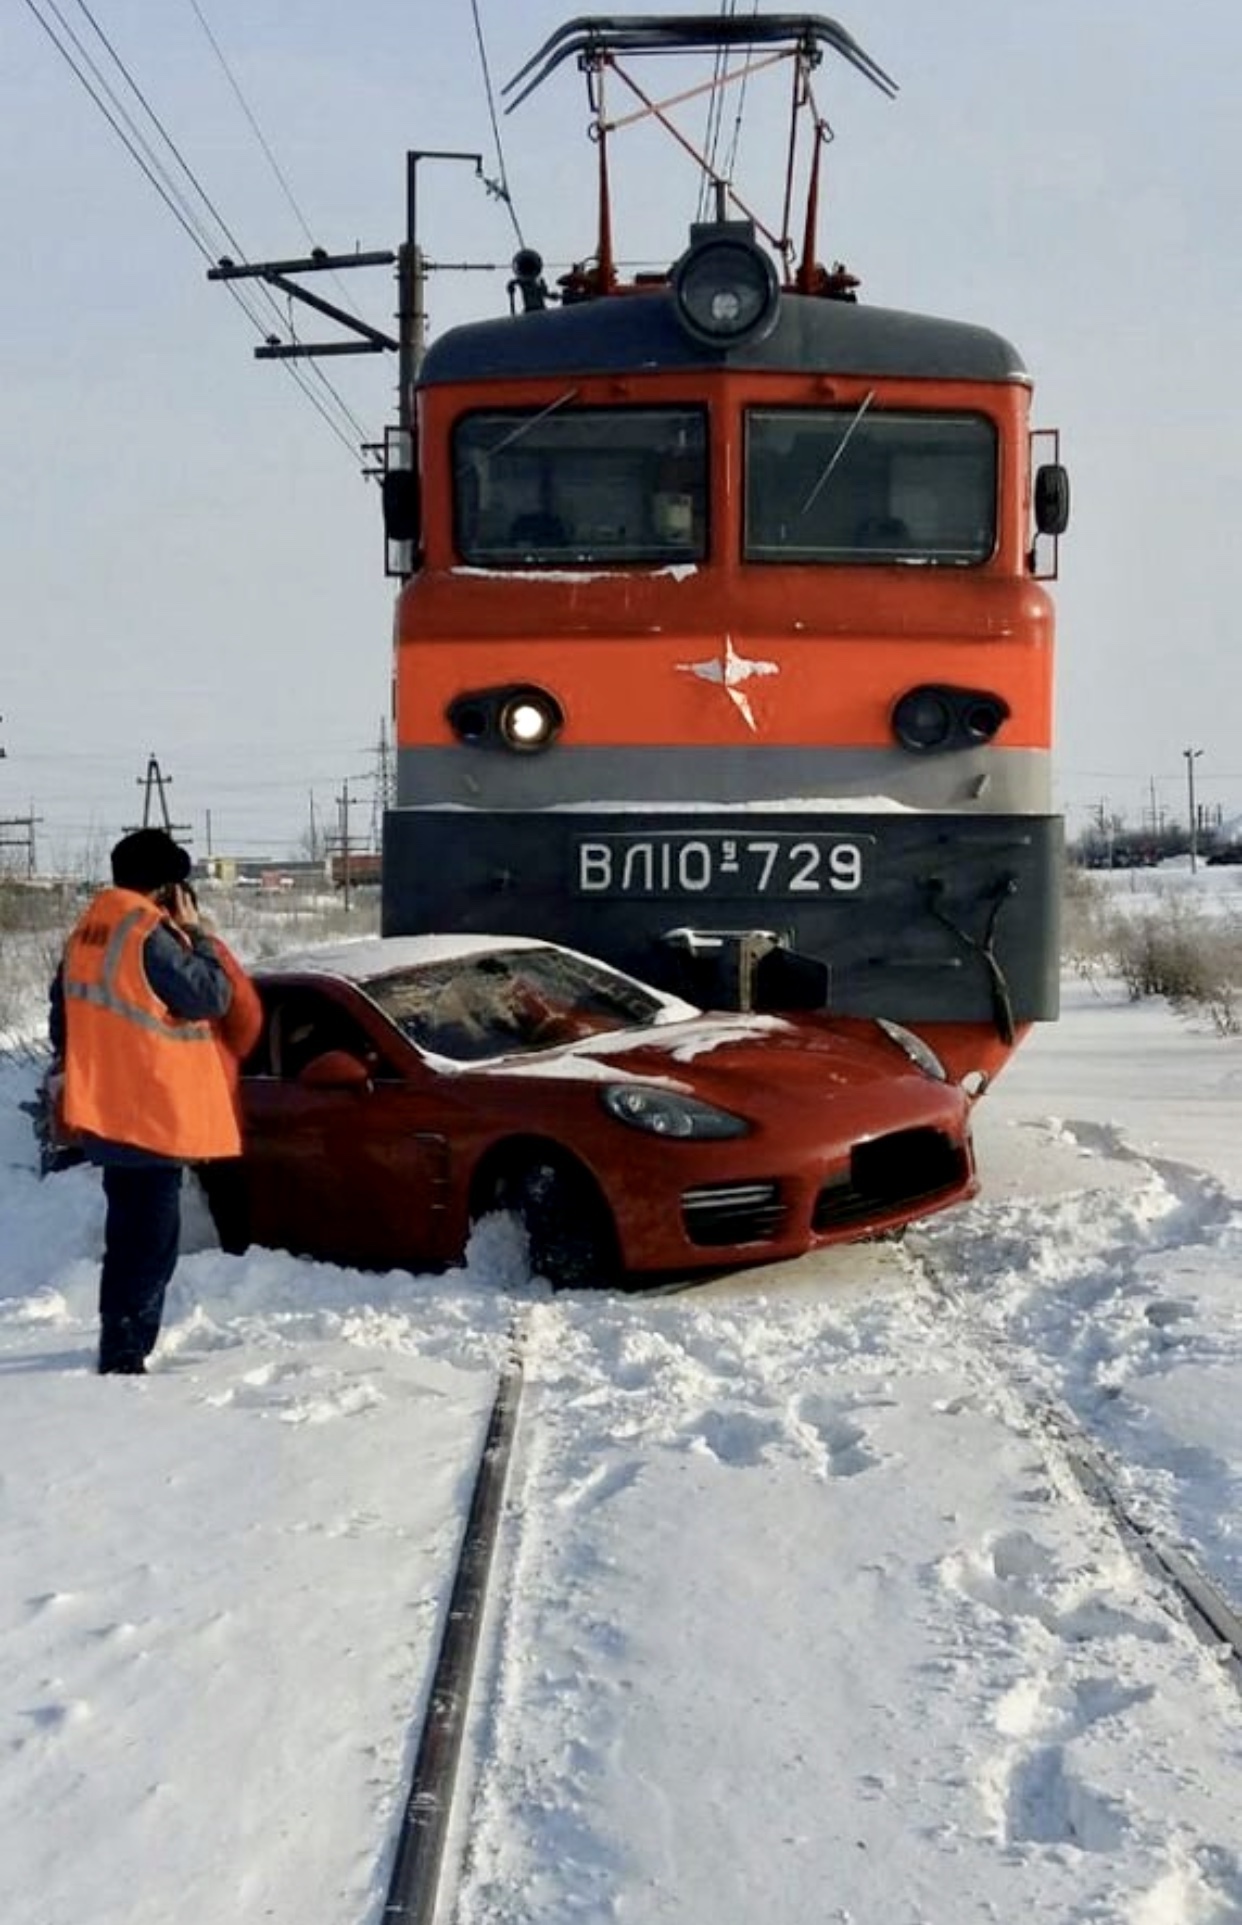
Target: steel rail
point(414, 1883)
point(1205, 1607)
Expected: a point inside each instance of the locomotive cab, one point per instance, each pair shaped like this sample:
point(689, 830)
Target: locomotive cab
point(724, 652)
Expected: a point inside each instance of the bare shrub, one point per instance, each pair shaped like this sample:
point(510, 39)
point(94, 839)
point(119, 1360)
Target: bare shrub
point(1086, 924)
point(1192, 959)
point(34, 923)
point(259, 929)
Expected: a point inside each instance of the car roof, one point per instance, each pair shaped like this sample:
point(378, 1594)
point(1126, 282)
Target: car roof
point(361, 958)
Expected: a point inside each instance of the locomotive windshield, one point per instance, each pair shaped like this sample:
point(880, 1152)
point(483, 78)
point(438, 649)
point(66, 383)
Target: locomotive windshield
point(567, 486)
point(851, 485)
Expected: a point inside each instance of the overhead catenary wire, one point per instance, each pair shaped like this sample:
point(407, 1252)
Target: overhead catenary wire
point(739, 116)
point(499, 187)
point(715, 112)
point(189, 217)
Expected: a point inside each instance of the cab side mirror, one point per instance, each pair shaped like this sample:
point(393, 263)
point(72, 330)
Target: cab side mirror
point(1052, 499)
point(402, 505)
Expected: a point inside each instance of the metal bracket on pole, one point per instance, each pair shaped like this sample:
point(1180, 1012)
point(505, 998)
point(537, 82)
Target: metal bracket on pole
point(276, 274)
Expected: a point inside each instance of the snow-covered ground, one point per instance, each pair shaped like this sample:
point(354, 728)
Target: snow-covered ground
point(804, 1614)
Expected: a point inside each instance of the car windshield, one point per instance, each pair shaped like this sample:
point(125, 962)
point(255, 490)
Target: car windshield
point(571, 486)
point(869, 485)
point(509, 1002)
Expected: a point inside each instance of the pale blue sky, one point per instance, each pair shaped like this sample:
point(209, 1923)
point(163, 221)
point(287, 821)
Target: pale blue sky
point(191, 564)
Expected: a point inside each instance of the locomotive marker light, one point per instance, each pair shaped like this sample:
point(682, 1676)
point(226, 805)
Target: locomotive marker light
point(725, 286)
point(936, 716)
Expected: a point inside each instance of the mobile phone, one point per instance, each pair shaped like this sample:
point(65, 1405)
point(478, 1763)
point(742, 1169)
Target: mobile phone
point(173, 896)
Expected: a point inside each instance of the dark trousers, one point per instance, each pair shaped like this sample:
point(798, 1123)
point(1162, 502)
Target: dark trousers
point(142, 1232)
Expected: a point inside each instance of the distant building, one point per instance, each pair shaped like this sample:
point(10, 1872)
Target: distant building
point(272, 873)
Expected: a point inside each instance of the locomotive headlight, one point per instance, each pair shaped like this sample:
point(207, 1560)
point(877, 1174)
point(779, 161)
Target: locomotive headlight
point(727, 308)
point(529, 720)
point(936, 716)
point(523, 719)
point(923, 719)
point(726, 290)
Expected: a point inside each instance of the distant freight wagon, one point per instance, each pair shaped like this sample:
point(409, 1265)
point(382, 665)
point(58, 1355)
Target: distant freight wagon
point(354, 870)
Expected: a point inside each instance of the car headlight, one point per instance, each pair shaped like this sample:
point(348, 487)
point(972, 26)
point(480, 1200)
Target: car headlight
point(664, 1113)
point(920, 1053)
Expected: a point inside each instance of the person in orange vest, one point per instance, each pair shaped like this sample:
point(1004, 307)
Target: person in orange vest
point(147, 1020)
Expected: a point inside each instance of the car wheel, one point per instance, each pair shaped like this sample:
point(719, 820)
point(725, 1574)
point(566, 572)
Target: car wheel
point(569, 1232)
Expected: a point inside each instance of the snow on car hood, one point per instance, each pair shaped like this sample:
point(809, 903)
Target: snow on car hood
point(727, 1058)
point(650, 1054)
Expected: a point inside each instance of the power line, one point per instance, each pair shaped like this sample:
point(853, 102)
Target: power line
point(264, 143)
point(154, 172)
point(140, 150)
point(259, 135)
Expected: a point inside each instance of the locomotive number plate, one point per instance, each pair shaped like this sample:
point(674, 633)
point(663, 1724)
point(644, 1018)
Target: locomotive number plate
point(720, 865)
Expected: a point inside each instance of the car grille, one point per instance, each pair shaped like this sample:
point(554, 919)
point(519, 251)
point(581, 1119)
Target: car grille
point(720, 1213)
point(891, 1173)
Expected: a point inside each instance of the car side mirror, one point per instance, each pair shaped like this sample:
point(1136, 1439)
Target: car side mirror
point(335, 1069)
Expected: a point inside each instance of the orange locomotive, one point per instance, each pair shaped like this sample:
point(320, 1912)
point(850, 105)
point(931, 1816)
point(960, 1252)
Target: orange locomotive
point(722, 653)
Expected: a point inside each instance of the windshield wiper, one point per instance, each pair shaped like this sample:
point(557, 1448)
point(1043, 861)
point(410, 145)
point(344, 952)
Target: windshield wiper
point(837, 453)
point(532, 421)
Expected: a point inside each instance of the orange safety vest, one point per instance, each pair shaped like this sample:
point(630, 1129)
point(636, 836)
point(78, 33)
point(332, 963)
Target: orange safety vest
point(134, 1072)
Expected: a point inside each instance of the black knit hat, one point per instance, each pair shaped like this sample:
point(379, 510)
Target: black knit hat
point(147, 859)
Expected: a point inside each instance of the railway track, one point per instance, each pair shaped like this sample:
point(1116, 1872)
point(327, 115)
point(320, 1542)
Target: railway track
point(492, 1691)
point(1074, 1452)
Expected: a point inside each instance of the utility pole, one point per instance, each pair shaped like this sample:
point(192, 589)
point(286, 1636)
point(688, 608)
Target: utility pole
point(412, 275)
point(361, 338)
point(382, 793)
point(1192, 756)
point(154, 784)
point(24, 839)
point(344, 803)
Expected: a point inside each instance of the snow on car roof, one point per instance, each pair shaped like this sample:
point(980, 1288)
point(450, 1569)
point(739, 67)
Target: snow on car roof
point(361, 957)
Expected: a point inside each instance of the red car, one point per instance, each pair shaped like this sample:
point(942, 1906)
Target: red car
point(406, 1086)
